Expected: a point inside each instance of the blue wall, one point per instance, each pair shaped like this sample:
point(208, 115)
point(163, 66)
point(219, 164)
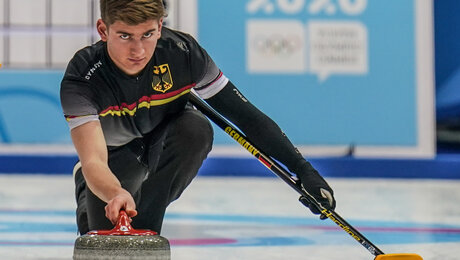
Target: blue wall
point(30, 110)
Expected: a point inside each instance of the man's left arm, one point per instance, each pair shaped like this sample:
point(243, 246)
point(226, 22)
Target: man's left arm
point(267, 135)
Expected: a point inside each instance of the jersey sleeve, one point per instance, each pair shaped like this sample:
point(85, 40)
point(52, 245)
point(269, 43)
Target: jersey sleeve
point(208, 77)
point(257, 126)
point(77, 101)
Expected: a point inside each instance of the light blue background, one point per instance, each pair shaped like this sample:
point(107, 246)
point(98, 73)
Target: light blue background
point(377, 108)
point(30, 110)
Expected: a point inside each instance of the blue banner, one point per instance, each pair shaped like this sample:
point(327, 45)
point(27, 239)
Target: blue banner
point(329, 72)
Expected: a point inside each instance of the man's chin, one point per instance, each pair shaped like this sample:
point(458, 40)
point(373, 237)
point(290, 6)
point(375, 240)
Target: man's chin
point(134, 69)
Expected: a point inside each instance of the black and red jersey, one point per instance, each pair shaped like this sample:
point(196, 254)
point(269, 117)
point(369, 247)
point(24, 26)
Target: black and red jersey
point(128, 107)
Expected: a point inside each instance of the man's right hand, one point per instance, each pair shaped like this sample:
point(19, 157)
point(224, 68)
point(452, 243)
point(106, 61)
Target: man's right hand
point(122, 201)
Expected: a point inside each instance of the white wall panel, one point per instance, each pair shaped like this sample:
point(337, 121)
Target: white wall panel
point(28, 12)
point(27, 50)
point(2, 56)
point(188, 17)
point(65, 45)
point(70, 12)
point(97, 11)
point(2, 12)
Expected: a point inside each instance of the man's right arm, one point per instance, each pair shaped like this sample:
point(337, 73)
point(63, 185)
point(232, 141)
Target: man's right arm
point(89, 142)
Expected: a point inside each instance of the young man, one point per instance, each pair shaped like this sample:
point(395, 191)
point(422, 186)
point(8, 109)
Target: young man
point(139, 141)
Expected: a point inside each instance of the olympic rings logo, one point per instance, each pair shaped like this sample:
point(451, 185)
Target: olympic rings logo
point(277, 44)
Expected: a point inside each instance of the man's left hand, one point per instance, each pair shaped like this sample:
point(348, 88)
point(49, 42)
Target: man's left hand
point(317, 187)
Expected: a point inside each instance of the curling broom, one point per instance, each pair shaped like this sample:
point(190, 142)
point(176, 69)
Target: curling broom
point(287, 177)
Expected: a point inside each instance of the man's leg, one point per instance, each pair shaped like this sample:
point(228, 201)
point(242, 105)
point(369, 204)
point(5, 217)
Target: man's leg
point(187, 143)
point(80, 196)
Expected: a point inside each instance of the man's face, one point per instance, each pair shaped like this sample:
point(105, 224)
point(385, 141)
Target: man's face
point(130, 46)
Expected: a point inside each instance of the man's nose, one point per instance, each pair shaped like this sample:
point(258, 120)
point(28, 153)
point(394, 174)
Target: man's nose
point(137, 48)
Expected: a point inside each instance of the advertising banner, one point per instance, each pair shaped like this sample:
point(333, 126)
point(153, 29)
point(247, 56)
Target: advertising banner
point(353, 74)
point(338, 76)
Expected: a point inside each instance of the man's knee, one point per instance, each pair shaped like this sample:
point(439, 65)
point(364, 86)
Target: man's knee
point(195, 131)
point(201, 132)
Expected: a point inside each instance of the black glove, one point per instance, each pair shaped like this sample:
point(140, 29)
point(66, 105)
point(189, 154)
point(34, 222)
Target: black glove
point(316, 186)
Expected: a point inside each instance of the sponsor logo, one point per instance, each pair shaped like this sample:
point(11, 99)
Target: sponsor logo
point(162, 80)
point(277, 44)
point(342, 226)
point(93, 69)
point(240, 95)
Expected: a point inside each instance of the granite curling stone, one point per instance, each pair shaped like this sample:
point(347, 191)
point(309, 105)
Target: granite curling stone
point(122, 242)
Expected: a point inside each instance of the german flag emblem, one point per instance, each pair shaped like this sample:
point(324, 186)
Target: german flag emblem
point(162, 80)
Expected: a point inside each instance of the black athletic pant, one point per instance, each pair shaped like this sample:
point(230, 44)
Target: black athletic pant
point(155, 170)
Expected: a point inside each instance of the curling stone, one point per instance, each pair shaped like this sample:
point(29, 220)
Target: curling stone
point(122, 242)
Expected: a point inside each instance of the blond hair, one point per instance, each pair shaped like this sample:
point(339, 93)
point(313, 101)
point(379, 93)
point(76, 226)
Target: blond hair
point(131, 12)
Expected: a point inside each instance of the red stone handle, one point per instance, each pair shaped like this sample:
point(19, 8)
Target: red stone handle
point(123, 228)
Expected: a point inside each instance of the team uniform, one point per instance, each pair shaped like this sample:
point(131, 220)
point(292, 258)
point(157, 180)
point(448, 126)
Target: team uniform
point(156, 140)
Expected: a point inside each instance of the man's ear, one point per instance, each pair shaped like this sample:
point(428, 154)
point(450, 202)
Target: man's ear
point(102, 29)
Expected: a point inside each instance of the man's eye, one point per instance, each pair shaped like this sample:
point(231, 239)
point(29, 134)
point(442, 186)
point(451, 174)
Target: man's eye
point(147, 35)
point(124, 36)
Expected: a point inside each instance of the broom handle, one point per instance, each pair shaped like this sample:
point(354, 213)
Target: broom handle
point(225, 125)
